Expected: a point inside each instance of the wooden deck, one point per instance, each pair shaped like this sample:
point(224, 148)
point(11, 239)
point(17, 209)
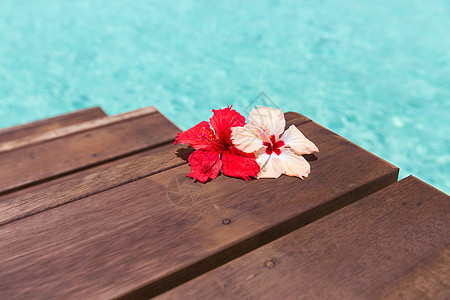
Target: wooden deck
point(99, 207)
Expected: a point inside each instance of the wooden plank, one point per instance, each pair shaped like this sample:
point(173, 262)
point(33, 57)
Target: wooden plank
point(25, 202)
point(40, 127)
point(293, 118)
point(91, 146)
point(141, 238)
point(76, 128)
point(394, 244)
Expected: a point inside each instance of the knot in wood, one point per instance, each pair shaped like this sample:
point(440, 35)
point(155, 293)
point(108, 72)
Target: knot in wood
point(269, 264)
point(226, 221)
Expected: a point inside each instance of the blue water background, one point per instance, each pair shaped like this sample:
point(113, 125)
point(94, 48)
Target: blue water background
point(376, 72)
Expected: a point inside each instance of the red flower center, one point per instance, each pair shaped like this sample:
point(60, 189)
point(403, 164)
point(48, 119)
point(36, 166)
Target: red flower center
point(273, 146)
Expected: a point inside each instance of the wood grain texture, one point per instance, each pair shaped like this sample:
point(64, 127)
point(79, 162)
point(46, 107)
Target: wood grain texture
point(394, 244)
point(70, 153)
point(76, 128)
point(40, 127)
point(91, 183)
point(144, 237)
point(85, 172)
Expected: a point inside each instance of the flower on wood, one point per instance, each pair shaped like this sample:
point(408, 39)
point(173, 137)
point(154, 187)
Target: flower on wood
point(275, 155)
point(214, 150)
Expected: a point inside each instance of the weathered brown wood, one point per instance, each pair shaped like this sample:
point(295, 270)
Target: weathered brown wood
point(44, 126)
point(34, 199)
point(72, 189)
point(144, 237)
point(76, 128)
point(394, 244)
point(82, 149)
point(293, 118)
point(85, 172)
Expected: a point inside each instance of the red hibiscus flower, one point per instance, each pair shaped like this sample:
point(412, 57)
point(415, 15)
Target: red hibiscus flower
point(214, 149)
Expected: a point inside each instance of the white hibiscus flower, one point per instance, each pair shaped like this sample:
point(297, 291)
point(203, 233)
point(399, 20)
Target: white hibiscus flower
point(274, 155)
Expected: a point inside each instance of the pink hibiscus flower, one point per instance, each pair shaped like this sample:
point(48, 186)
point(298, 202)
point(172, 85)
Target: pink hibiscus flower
point(214, 149)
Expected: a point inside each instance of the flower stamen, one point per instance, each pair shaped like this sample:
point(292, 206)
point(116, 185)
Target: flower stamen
point(273, 145)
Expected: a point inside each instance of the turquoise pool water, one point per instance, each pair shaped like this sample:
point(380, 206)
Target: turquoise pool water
point(377, 73)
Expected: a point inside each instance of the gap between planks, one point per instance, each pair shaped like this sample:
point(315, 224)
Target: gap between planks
point(81, 150)
point(77, 128)
point(391, 244)
point(75, 171)
point(42, 126)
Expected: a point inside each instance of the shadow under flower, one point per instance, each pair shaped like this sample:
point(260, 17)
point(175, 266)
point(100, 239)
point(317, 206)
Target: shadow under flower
point(310, 157)
point(184, 152)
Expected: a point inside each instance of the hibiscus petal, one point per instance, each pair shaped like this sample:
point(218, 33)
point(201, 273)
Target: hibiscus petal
point(268, 119)
point(201, 136)
point(271, 165)
point(294, 165)
point(293, 138)
point(246, 138)
point(240, 166)
point(223, 120)
point(204, 164)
